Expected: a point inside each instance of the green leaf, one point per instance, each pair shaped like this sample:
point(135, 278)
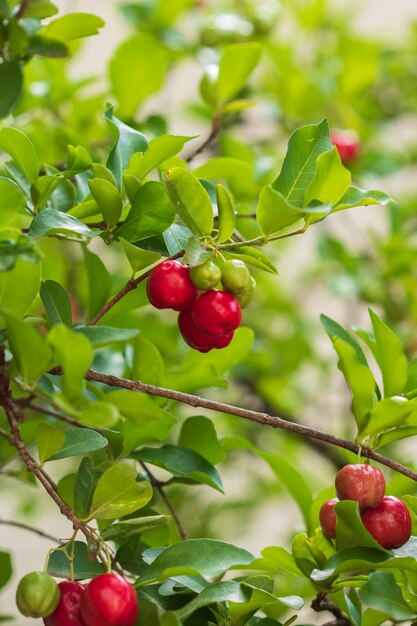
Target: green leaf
point(147, 363)
point(99, 282)
point(222, 360)
point(140, 61)
point(11, 78)
point(12, 200)
point(49, 439)
point(11, 251)
point(56, 302)
point(73, 26)
point(100, 336)
point(190, 200)
point(31, 351)
point(334, 329)
point(74, 353)
point(118, 494)
point(108, 200)
point(358, 377)
point(127, 142)
point(331, 180)
point(19, 287)
point(198, 434)
point(40, 8)
point(390, 356)
point(182, 463)
point(88, 476)
point(350, 532)
point(151, 214)
point(47, 47)
point(51, 221)
point(17, 145)
point(204, 557)
point(299, 167)
point(386, 414)
point(176, 237)
point(195, 253)
point(274, 212)
point(78, 159)
point(126, 529)
point(79, 441)
point(236, 64)
point(254, 257)
point(138, 258)
point(382, 593)
point(5, 568)
point(358, 197)
point(226, 214)
point(160, 149)
point(83, 566)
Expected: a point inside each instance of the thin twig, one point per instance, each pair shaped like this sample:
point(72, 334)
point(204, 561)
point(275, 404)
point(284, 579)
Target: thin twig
point(132, 284)
point(322, 603)
point(58, 416)
point(41, 533)
point(215, 130)
point(22, 9)
point(159, 486)
point(254, 416)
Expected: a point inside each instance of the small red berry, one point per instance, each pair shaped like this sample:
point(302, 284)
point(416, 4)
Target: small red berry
point(363, 483)
point(196, 338)
point(347, 144)
point(216, 312)
point(169, 286)
point(389, 523)
point(109, 600)
point(67, 613)
point(327, 517)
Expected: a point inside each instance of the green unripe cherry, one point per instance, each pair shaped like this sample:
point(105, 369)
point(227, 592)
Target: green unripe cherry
point(205, 276)
point(245, 296)
point(235, 276)
point(37, 595)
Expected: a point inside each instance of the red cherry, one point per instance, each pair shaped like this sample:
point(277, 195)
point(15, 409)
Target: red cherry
point(389, 523)
point(347, 143)
point(196, 338)
point(327, 517)
point(109, 600)
point(67, 613)
point(216, 312)
point(169, 286)
point(363, 483)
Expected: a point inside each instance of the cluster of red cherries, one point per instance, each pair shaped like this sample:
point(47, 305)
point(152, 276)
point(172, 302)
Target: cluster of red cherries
point(386, 518)
point(208, 316)
point(107, 600)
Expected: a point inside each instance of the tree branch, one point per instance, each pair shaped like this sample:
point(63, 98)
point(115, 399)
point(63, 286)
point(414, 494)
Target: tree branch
point(322, 603)
point(22, 9)
point(215, 130)
point(160, 488)
point(254, 416)
point(41, 533)
point(132, 284)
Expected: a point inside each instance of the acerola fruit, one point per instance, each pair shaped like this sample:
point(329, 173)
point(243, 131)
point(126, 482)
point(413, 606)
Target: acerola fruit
point(169, 286)
point(327, 517)
point(216, 312)
point(235, 276)
point(347, 144)
point(363, 483)
point(196, 338)
point(67, 613)
point(245, 296)
point(37, 595)
point(205, 276)
point(389, 523)
point(109, 600)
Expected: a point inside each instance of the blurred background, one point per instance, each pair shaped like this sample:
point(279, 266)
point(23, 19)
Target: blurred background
point(352, 62)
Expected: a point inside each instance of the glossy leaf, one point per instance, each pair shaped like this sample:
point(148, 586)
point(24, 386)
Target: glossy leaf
point(358, 197)
point(88, 476)
point(190, 200)
point(31, 351)
point(99, 282)
point(151, 214)
point(252, 256)
point(84, 567)
point(101, 335)
point(108, 200)
point(56, 302)
point(382, 593)
point(51, 221)
point(73, 26)
point(198, 434)
point(331, 179)
point(226, 214)
point(236, 64)
point(79, 441)
point(160, 149)
point(138, 258)
point(74, 353)
point(126, 529)
point(17, 145)
point(19, 287)
point(11, 76)
point(49, 439)
point(390, 356)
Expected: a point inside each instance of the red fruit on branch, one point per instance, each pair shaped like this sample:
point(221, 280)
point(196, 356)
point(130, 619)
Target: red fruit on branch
point(67, 613)
point(347, 144)
point(389, 523)
point(196, 338)
point(109, 600)
point(327, 517)
point(216, 312)
point(363, 483)
point(169, 286)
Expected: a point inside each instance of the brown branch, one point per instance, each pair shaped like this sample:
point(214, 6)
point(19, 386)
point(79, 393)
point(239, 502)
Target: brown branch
point(22, 9)
point(159, 486)
point(7, 437)
point(58, 416)
point(215, 130)
point(132, 284)
point(41, 533)
point(322, 603)
point(254, 416)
